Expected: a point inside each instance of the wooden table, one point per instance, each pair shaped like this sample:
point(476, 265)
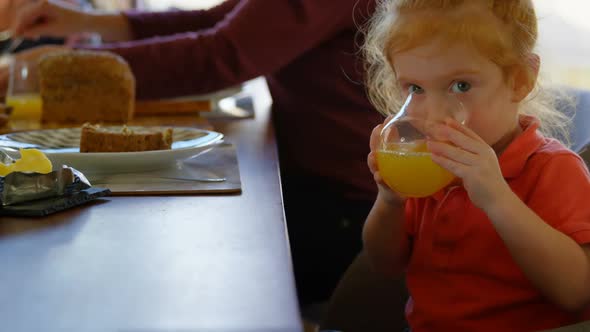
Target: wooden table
point(155, 264)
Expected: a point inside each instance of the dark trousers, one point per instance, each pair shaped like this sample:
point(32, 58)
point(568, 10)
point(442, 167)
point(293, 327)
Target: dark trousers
point(324, 233)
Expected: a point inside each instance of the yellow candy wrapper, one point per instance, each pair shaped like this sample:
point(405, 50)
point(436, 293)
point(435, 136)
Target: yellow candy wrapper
point(31, 161)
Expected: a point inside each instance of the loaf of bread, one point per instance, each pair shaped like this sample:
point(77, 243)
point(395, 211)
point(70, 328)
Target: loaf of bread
point(86, 86)
point(95, 138)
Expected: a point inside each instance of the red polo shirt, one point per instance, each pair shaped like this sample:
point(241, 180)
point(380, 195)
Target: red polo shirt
point(461, 275)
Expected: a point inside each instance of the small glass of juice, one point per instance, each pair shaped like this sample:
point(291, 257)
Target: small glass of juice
point(23, 91)
point(403, 158)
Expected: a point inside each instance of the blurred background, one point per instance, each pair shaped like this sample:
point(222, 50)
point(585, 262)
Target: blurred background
point(564, 43)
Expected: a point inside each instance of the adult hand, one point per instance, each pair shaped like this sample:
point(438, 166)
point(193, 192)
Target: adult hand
point(60, 18)
point(48, 18)
point(7, 12)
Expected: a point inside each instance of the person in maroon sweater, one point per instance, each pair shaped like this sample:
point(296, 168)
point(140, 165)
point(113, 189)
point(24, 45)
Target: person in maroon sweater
point(307, 50)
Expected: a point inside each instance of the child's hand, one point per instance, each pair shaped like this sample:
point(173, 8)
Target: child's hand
point(385, 192)
point(470, 158)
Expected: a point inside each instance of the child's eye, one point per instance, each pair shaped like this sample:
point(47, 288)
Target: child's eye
point(460, 87)
point(413, 88)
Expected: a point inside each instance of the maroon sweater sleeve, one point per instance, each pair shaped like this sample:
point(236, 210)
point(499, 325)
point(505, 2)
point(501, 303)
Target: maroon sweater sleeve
point(257, 37)
point(147, 24)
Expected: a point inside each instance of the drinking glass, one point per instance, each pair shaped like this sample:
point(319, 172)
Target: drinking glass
point(403, 158)
point(23, 90)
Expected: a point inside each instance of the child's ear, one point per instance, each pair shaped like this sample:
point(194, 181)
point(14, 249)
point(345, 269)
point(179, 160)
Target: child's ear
point(524, 77)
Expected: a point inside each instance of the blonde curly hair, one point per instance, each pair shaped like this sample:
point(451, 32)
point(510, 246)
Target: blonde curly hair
point(508, 41)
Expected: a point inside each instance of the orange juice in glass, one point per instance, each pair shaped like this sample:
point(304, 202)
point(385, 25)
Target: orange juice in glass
point(408, 169)
point(25, 106)
point(23, 91)
point(403, 159)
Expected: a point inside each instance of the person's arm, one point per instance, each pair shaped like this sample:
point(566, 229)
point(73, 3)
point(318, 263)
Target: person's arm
point(256, 38)
point(385, 239)
point(58, 18)
point(549, 235)
point(555, 258)
point(150, 24)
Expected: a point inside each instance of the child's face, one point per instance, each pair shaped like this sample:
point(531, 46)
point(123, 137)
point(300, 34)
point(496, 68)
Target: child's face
point(433, 71)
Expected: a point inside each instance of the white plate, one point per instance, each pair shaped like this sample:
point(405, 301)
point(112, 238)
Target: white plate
point(62, 147)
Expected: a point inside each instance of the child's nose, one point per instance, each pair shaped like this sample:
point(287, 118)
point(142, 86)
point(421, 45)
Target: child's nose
point(436, 108)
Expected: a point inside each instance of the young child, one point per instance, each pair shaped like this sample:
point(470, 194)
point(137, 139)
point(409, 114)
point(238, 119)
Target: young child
point(509, 248)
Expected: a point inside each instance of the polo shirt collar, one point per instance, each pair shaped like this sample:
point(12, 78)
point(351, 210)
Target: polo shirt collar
point(516, 155)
